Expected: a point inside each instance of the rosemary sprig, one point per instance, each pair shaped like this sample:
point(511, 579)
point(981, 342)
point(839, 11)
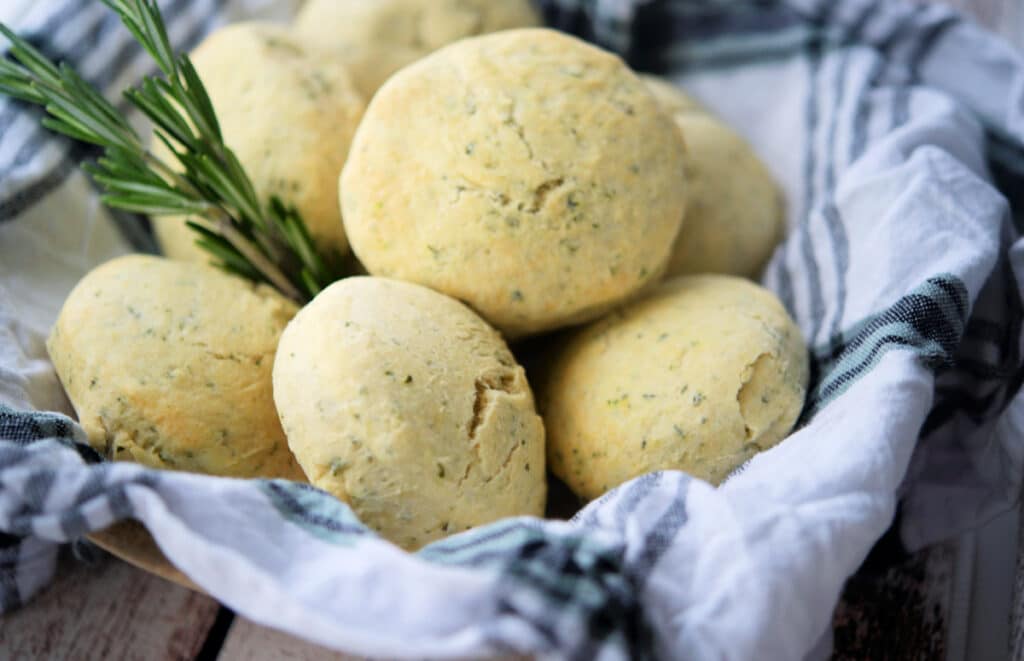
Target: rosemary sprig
point(265, 242)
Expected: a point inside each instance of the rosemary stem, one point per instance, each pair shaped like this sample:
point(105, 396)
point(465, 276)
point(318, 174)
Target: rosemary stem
point(226, 229)
point(224, 226)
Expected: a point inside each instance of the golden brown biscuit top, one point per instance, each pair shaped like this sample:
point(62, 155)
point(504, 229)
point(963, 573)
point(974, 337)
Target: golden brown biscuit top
point(526, 172)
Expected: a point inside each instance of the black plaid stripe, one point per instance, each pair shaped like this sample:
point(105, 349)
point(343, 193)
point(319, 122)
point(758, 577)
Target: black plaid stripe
point(585, 20)
point(574, 592)
point(33, 506)
point(306, 505)
point(549, 577)
point(662, 26)
point(987, 373)
point(482, 546)
point(70, 11)
point(822, 207)
point(824, 39)
point(644, 37)
point(11, 456)
point(26, 427)
point(100, 28)
point(73, 522)
point(929, 321)
point(770, 20)
point(627, 497)
point(808, 266)
point(100, 485)
point(638, 490)
point(1006, 158)
point(551, 581)
point(929, 35)
point(10, 556)
point(830, 212)
point(661, 534)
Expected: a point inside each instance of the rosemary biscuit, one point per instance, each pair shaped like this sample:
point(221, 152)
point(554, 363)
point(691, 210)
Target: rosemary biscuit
point(375, 39)
point(538, 180)
point(289, 116)
point(734, 210)
point(169, 365)
point(408, 406)
point(699, 376)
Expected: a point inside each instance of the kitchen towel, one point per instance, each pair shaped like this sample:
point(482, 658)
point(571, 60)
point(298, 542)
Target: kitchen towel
point(897, 133)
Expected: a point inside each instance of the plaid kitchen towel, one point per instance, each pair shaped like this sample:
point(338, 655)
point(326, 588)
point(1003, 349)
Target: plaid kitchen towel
point(897, 132)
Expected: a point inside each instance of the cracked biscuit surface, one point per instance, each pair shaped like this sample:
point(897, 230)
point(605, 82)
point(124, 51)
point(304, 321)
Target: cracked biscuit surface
point(699, 376)
point(406, 405)
point(375, 39)
point(169, 365)
point(288, 114)
point(537, 179)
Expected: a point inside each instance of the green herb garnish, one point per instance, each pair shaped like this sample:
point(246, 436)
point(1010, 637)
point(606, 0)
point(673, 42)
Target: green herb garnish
point(262, 242)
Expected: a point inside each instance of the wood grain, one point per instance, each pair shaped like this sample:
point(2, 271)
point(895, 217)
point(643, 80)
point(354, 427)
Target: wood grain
point(1017, 608)
point(898, 613)
point(247, 641)
point(108, 610)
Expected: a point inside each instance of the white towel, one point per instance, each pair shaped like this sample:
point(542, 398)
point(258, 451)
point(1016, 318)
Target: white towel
point(897, 132)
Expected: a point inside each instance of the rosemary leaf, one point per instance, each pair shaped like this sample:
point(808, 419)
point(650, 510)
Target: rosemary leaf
point(312, 285)
point(225, 254)
point(71, 131)
point(201, 105)
point(263, 242)
point(31, 58)
point(151, 100)
point(139, 204)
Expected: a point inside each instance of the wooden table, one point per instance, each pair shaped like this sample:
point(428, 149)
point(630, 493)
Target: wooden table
point(106, 609)
point(101, 608)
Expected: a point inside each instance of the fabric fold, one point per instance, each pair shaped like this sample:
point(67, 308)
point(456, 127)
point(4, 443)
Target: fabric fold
point(897, 133)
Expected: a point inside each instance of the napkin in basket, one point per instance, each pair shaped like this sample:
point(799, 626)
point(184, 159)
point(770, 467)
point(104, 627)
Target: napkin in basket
point(897, 131)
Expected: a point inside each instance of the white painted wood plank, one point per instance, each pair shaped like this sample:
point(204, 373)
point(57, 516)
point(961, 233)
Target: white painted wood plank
point(247, 641)
point(109, 610)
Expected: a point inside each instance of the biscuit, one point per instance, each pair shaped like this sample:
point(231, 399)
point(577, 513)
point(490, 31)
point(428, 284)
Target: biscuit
point(734, 211)
point(169, 364)
point(375, 39)
point(406, 405)
point(537, 180)
point(699, 376)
